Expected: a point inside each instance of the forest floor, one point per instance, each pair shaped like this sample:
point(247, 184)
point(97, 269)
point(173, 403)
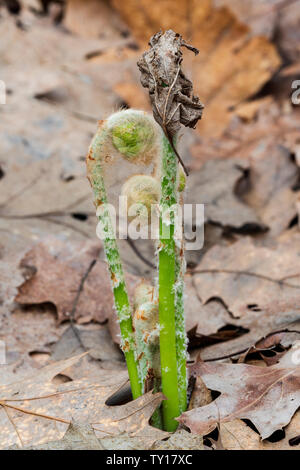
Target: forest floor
point(68, 67)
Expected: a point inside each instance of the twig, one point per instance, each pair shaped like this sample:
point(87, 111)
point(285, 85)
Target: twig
point(227, 356)
point(28, 412)
point(65, 224)
point(242, 273)
point(13, 424)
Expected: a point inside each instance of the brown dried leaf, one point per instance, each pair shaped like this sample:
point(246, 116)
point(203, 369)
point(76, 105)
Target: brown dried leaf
point(236, 435)
point(180, 440)
point(93, 338)
point(77, 437)
point(267, 396)
point(272, 178)
point(27, 334)
point(35, 410)
point(246, 276)
point(214, 185)
point(269, 18)
point(171, 92)
point(56, 272)
point(247, 281)
point(275, 125)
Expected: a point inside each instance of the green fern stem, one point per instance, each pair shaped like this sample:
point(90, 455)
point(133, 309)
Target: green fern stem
point(181, 338)
point(166, 290)
point(95, 156)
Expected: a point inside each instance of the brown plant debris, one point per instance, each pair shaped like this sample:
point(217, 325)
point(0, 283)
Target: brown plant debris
point(171, 92)
point(267, 396)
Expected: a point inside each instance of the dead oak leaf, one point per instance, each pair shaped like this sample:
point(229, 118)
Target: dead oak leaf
point(257, 286)
point(214, 186)
point(236, 435)
point(269, 16)
point(34, 410)
point(267, 396)
point(242, 334)
point(55, 273)
point(28, 334)
point(272, 177)
point(245, 276)
point(254, 138)
point(77, 437)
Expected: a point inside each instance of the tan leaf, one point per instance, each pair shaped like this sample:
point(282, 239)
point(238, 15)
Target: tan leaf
point(248, 287)
point(248, 277)
point(272, 129)
point(272, 178)
point(27, 336)
point(267, 396)
point(180, 440)
point(268, 17)
point(236, 435)
point(77, 437)
point(35, 410)
point(214, 186)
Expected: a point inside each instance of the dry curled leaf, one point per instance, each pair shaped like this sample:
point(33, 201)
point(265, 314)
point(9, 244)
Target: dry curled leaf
point(267, 396)
point(171, 92)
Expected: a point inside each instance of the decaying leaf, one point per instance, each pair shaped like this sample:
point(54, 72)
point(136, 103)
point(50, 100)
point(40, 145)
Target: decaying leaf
point(237, 435)
point(171, 92)
point(239, 336)
point(57, 269)
point(35, 410)
point(269, 18)
point(271, 131)
point(272, 176)
point(77, 437)
point(92, 338)
point(251, 286)
point(180, 440)
point(28, 334)
point(247, 277)
point(214, 185)
point(267, 396)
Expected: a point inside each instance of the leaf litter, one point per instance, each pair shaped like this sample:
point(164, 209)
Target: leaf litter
point(242, 292)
